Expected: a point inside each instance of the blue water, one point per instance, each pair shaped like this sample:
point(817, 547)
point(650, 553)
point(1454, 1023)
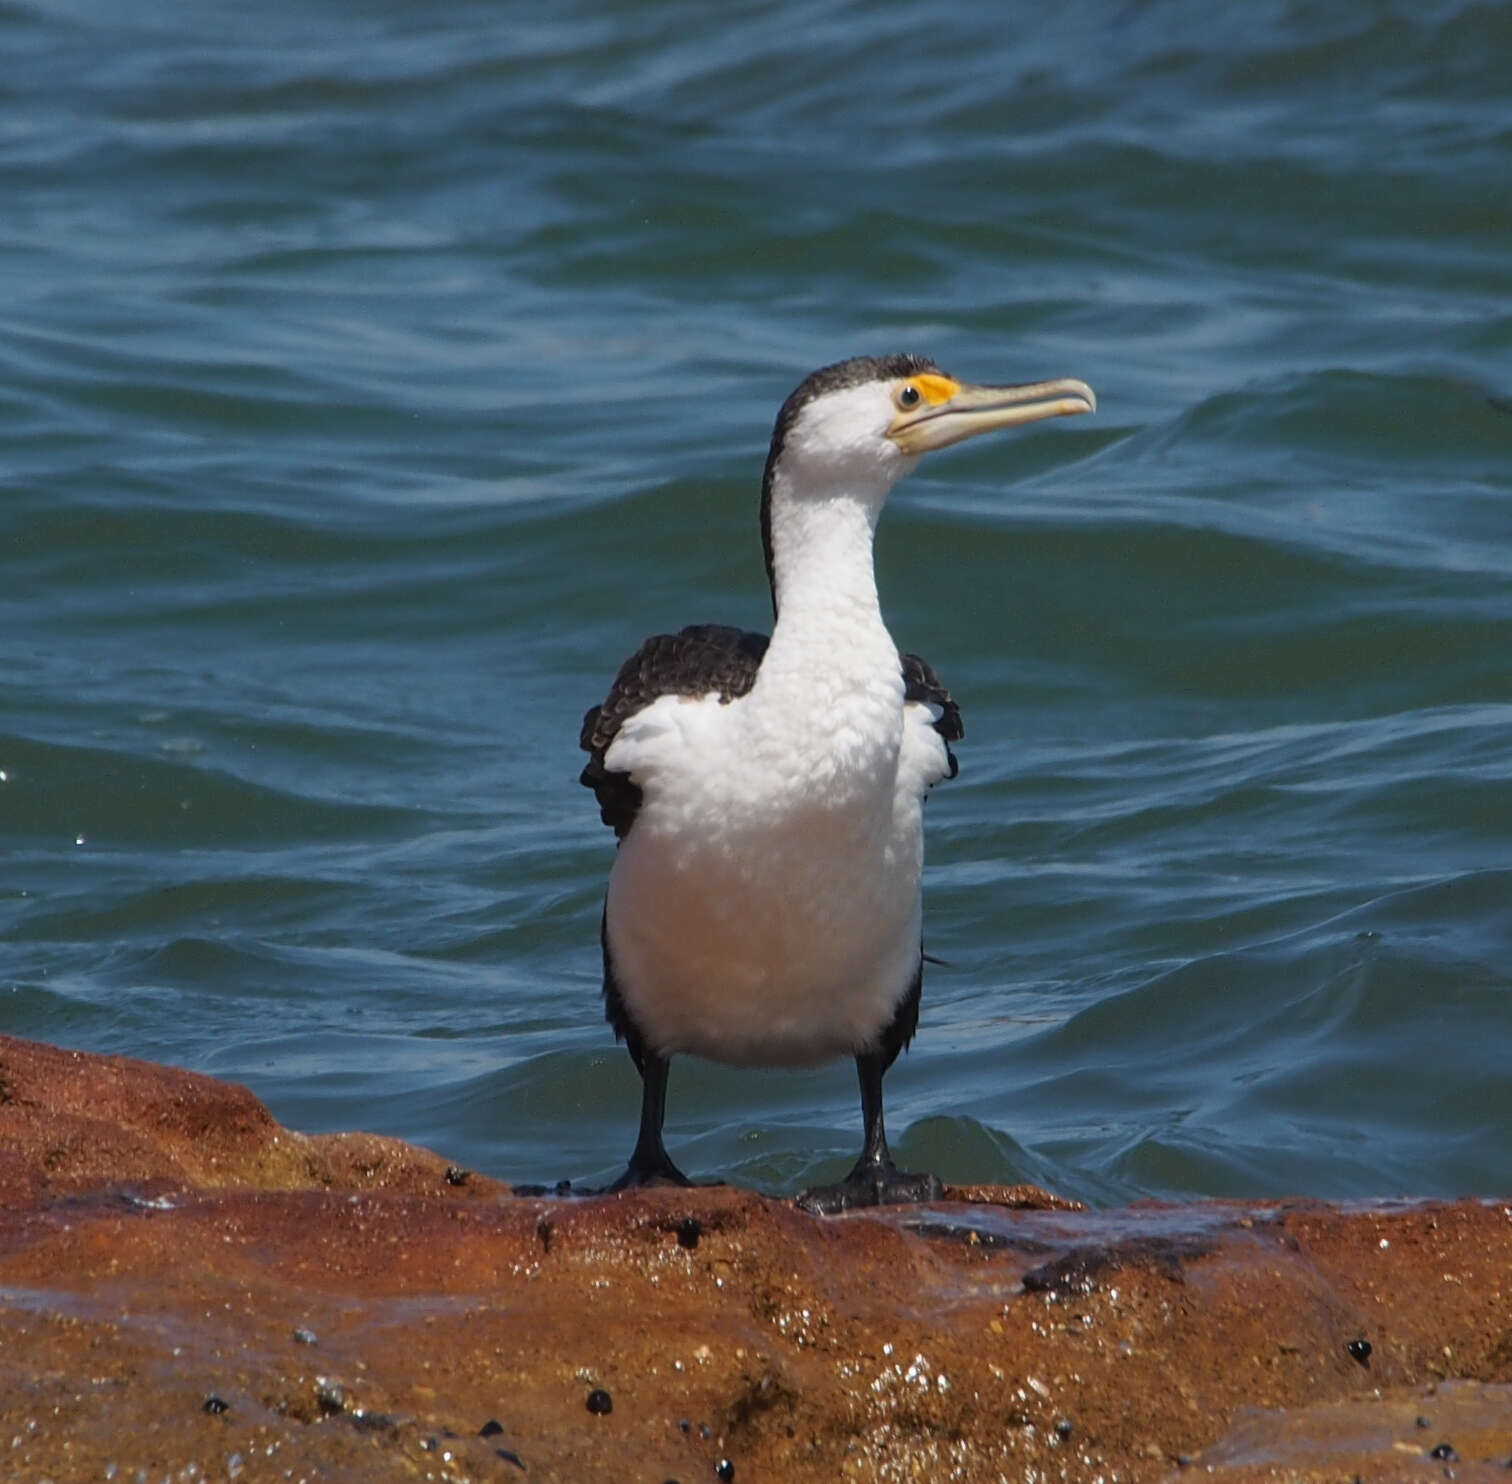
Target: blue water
point(374, 378)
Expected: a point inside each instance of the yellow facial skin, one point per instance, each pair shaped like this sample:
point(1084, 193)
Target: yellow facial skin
point(936, 411)
point(935, 390)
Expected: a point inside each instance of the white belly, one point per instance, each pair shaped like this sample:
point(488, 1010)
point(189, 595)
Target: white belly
point(762, 914)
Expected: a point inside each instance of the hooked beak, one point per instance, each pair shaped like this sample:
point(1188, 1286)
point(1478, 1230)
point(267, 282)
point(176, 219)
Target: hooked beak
point(970, 410)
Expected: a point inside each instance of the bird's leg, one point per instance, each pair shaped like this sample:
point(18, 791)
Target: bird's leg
point(650, 1164)
point(875, 1180)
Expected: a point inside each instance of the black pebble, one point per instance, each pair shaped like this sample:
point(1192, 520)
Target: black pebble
point(1360, 1350)
point(685, 1426)
point(725, 1470)
point(600, 1403)
point(1064, 1428)
point(688, 1232)
point(456, 1175)
point(1444, 1451)
point(303, 1336)
point(491, 1429)
point(215, 1405)
point(330, 1395)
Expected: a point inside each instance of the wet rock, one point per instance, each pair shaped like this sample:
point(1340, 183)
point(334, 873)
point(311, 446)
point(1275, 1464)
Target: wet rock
point(76, 1122)
point(899, 1343)
point(1371, 1435)
point(600, 1403)
point(1082, 1269)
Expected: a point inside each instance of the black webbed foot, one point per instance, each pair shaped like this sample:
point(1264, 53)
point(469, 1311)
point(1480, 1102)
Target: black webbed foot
point(650, 1164)
point(871, 1184)
point(640, 1173)
point(875, 1180)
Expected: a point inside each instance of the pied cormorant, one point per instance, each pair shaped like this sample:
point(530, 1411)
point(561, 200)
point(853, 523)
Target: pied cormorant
point(764, 906)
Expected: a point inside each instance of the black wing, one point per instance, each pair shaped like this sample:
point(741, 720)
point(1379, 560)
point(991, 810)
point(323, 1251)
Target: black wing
point(920, 683)
point(702, 660)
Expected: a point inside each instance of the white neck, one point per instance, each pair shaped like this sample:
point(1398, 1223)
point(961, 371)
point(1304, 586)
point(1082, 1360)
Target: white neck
point(822, 556)
point(832, 668)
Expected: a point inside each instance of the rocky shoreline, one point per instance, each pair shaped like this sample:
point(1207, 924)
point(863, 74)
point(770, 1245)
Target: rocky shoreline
point(189, 1291)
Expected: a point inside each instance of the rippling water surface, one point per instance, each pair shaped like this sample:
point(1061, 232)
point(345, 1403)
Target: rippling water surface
point(373, 378)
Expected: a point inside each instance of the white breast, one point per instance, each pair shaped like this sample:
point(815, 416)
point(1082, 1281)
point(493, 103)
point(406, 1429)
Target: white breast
point(765, 908)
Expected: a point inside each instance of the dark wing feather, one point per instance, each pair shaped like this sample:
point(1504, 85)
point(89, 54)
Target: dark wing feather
point(702, 660)
point(920, 683)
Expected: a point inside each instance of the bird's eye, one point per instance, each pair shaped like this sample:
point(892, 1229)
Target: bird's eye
point(909, 395)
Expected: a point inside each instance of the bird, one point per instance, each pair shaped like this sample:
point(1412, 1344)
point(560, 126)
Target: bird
point(764, 906)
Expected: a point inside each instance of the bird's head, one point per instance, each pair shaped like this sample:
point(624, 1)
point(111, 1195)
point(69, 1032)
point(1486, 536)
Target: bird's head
point(876, 415)
point(856, 428)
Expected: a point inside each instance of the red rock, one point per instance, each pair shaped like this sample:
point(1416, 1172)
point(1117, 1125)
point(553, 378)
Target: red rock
point(162, 1239)
point(73, 1122)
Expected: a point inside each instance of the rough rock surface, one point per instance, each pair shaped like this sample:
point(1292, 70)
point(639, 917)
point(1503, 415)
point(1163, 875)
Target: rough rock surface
point(190, 1292)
